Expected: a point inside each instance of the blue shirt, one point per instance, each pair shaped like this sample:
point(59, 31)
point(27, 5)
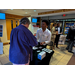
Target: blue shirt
point(21, 43)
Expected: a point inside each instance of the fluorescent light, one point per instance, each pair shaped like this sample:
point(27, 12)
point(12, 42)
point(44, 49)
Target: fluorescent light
point(11, 9)
point(26, 12)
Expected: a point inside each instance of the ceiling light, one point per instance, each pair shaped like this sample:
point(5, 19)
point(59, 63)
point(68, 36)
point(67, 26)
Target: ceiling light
point(11, 9)
point(26, 12)
point(34, 10)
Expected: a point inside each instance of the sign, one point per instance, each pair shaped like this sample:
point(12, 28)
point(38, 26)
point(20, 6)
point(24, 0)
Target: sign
point(68, 25)
point(62, 39)
point(64, 15)
point(1, 30)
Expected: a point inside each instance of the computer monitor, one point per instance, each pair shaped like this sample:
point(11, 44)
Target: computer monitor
point(34, 20)
point(2, 16)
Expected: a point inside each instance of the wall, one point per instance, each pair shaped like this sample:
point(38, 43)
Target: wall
point(31, 26)
point(4, 38)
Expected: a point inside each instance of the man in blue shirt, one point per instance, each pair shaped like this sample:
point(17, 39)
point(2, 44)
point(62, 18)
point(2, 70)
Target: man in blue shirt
point(21, 43)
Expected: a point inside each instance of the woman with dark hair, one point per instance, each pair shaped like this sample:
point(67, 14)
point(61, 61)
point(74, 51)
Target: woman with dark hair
point(21, 43)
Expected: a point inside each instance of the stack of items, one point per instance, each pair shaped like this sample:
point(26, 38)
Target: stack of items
point(41, 52)
point(47, 50)
point(41, 55)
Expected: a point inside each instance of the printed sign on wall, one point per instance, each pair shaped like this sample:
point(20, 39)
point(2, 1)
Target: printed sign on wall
point(62, 39)
point(68, 25)
point(1, 30)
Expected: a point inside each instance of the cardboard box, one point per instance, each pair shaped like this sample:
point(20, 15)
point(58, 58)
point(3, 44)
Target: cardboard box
point(41, 55)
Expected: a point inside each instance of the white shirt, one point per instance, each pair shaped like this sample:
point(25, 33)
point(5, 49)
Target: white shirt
point(58, 30)
point(43, 36)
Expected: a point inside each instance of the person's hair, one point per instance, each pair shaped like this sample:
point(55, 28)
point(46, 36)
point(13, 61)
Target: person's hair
point(45, 22)
point(57, 24)
point(54, 24)
point(24, 21)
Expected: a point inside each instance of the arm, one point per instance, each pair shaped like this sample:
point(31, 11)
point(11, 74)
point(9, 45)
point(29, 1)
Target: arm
point(68, 35)
point(52, 30)
point(37, 35)
point(56, 29)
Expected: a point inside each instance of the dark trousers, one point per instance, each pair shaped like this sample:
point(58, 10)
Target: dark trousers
point(70, 46)
point(57, 40)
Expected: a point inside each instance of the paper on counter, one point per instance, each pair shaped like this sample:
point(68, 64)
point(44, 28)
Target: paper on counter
point(34, 48)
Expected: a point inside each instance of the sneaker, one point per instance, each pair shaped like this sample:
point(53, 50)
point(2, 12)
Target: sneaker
point(66, 48)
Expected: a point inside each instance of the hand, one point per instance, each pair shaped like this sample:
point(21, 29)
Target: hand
point(69, 39)
point(61, 32)
point(42, 43)
point(56, 32)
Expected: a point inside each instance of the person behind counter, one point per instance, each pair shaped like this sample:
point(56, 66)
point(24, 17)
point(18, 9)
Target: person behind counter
point(43, 35)
point(21, 43)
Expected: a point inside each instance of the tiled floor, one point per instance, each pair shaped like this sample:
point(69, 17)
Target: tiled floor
point(60, 57)
point(4, 58)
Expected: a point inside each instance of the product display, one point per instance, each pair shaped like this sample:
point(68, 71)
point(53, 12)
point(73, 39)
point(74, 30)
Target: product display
point(38, 51)
point(68, 25)
point(41, 55)
point(47, 50)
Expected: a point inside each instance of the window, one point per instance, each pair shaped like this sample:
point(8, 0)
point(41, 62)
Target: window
point(16, 24)
point(12, 24)
point(1, 30)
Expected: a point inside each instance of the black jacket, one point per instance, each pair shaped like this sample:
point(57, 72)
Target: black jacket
point(56, 28)
point(71, 34)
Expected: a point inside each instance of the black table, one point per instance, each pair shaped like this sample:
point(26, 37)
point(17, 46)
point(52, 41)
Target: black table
point(44, 61)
